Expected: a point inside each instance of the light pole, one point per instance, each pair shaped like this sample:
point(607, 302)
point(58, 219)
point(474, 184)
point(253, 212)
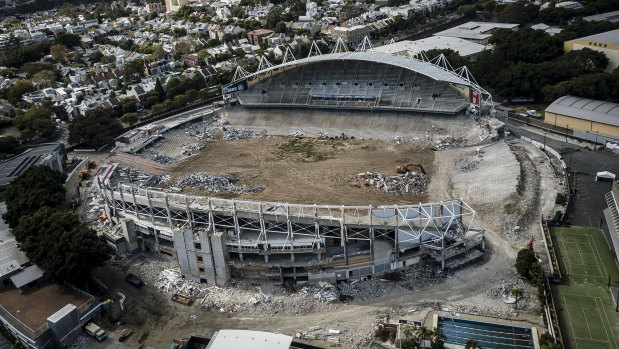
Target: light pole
point(193, 317)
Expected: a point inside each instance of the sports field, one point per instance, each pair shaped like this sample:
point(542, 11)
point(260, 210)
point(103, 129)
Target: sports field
point(584, 302)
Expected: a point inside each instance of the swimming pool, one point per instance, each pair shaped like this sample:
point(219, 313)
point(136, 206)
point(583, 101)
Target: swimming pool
point(488, 335)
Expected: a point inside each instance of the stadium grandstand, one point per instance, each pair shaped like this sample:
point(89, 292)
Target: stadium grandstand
point(364, 79)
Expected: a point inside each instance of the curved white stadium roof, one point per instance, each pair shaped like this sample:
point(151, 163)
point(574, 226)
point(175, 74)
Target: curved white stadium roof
point(426, 68)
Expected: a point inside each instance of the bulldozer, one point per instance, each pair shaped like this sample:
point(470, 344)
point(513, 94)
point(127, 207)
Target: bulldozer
point(410, 168)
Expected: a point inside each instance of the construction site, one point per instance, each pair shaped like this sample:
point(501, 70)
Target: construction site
point(313, 223)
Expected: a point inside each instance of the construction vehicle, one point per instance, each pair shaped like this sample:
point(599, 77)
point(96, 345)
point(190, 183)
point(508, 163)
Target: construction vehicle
point(530, 243)
point(95, 331)
point(410, 168)
point(84, 175)
point(125, 334)
point(184, 300)
point(134, 280)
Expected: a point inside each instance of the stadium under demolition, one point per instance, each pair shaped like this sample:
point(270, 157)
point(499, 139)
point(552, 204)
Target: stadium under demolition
point(215, 239)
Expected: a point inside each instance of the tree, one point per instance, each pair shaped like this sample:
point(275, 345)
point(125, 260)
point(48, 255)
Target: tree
point(59, 52)
point(472, 344)
point(8, 145)
point(68, 40)
point(60, 244)
point(524, 261)
point(35, 123)
point(179, 32)
point(274, 16)
point(159, 90)
point(517, 293)
point(16, 91)
point(39, 186)
point(134, 69)
point(585, 61)
point(97, 128)
point(237, 11)
point(129, 118)
point(129, 105)
point(436, 339)
point(183, 13)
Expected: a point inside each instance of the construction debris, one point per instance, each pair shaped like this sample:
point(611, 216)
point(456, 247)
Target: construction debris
point(162, 159)
point(215, 183)
point(324, 292)
point(299, 134)
point(239, 133)
point(450, 143)
point(406, 183)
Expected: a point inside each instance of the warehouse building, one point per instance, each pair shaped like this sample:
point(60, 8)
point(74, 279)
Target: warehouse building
point(607, 43)
point(584, 115)
point(479, 32)
point(464, 48)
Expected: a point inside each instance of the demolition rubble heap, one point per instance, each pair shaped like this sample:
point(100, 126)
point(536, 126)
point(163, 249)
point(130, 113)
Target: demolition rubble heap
point(401, 184)
point(215, 183)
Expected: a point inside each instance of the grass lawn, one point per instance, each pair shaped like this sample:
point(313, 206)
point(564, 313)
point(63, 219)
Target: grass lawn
point(584, 302)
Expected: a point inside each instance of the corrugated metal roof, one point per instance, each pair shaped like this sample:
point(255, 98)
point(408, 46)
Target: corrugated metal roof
point(28, 275)
point(610, 37)
point(421, 67)
point(225, 339)
point(586, 109)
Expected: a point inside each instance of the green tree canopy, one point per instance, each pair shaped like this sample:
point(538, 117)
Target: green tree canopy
point(8, 144)
point(68, 39)
point(134, 69)
point(16, 91)
point(60, 244)
point(35, 123)
point(274, 16)
point(129, 118)
point(37, 187)
point(96, 129)
point(524, 262)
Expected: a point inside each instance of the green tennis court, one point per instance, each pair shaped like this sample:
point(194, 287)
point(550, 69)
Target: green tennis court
point(584, 301)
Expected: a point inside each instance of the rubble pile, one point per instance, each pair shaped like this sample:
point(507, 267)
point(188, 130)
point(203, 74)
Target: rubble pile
point(162, 159)
point(407, 183)
point(470, 161)
point(324, 292)
point(238, 133)
point(194, 146)
point(450, 143)
point(215, 183)
point(502, 290)
point(299, 134)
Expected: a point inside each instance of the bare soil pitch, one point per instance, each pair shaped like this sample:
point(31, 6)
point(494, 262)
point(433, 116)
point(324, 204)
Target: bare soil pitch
point(308, 170)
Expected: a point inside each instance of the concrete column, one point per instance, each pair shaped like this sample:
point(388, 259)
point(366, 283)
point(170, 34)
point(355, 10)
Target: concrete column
point(218, 245)
point(344, 236)
point(122, 198)
point(371, 236)
point(397, 233)
point(135, 206)
point(128, 231)
point(190, 217)
point(167, 208)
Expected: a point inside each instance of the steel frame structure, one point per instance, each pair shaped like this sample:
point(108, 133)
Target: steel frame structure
point(438, 68)
point(295, 227)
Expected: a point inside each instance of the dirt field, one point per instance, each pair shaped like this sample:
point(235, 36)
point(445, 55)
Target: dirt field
point(308, 170)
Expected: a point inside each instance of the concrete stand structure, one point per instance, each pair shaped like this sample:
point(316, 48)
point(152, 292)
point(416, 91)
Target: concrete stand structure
point(214, 239)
